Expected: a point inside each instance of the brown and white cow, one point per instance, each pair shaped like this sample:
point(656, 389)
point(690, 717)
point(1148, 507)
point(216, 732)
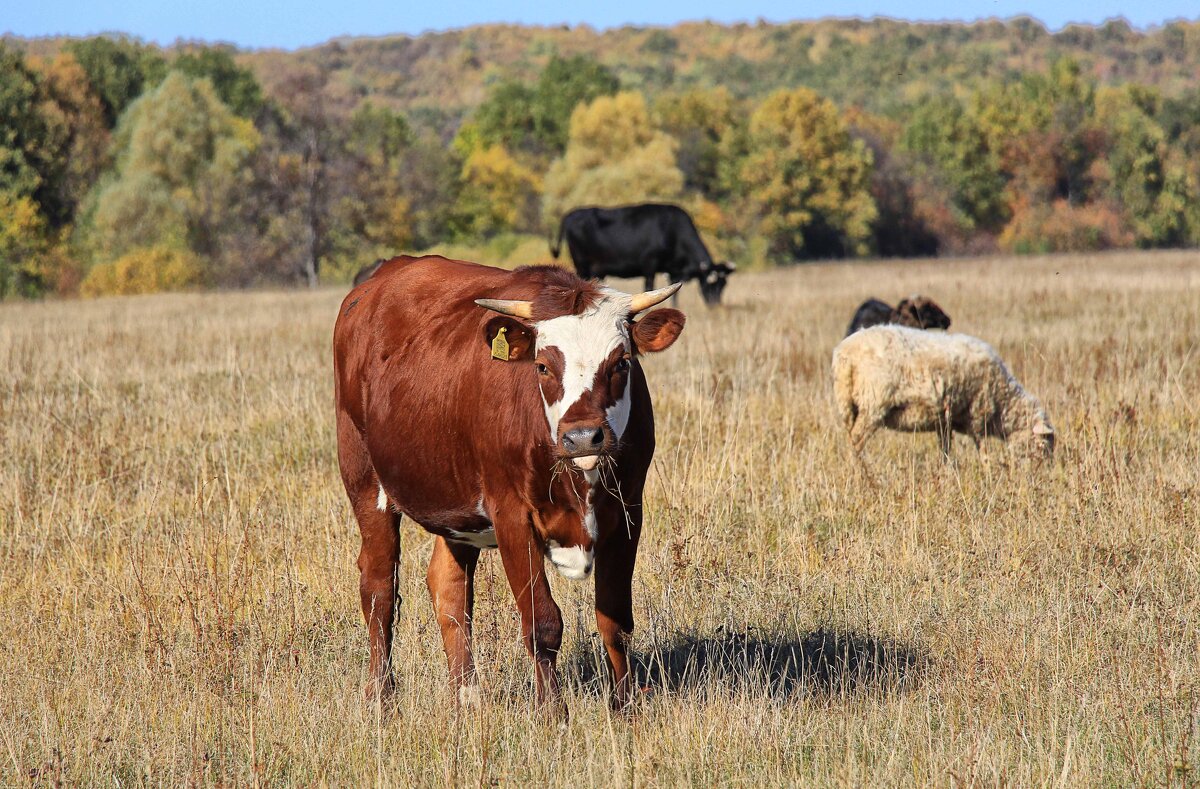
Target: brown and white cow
point(537, 444)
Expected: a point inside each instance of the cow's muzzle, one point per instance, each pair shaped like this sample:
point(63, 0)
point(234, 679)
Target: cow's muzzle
point(585, 445)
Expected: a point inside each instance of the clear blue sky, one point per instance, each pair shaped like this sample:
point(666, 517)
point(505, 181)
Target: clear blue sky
point(267, 23)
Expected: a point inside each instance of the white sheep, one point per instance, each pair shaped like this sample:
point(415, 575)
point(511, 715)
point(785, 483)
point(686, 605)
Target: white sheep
point(920, 381)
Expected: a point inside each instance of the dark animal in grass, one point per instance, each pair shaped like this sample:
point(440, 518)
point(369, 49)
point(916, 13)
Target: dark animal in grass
point(916, 312)
point(641, 241)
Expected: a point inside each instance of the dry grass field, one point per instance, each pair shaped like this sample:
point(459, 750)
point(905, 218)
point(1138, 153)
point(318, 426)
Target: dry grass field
point(178, 590)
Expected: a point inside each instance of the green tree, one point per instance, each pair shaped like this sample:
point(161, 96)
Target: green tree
point(699, 119)
point(806, 179)
point(119, 70)
point(614, 155)
point(535, 120)
point(237, 86)
point(564, 84)
point(948, 146)
point(506, 116)
point(180, 170)
point(1143, 174)
point(903, 227)
point(377, 208)
point(24, 160)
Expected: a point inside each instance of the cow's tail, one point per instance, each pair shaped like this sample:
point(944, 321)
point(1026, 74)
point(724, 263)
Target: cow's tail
point(556, 245)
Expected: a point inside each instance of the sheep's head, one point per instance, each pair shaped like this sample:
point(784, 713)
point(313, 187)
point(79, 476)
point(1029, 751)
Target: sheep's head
point(1027, 428)
point(1043, 435)
point(1036, 439)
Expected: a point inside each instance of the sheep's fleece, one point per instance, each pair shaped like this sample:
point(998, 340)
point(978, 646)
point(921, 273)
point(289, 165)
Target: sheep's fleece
point(913, 380)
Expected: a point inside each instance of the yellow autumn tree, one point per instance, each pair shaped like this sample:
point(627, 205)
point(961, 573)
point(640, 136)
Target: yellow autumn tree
point(498, 193)
point(614, 156)
point(148, 270)
point(806, 179)
point(23, 242)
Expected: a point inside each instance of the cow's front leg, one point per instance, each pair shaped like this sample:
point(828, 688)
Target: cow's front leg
point(541, 620)
point(451, 581)
point(675, 296)
point(615, 557)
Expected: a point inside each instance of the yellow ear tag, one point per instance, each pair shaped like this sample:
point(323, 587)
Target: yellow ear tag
point(500, 345)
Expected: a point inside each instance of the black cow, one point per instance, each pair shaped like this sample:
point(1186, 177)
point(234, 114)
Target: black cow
point(641, 241)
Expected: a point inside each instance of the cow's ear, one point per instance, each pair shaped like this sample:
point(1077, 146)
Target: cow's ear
point(657, 330)
point(508, 337)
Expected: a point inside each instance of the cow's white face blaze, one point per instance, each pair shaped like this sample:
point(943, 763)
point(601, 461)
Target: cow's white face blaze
point(578, 356)
point(583, 357)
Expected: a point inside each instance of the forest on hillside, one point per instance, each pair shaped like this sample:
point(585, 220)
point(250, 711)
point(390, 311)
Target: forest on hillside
point(128, 168)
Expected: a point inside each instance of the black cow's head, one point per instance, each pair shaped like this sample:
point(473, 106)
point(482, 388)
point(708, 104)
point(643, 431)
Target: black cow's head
point(713, 281)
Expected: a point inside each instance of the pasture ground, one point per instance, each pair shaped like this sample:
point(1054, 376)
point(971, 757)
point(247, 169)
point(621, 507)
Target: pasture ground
point(178, 591)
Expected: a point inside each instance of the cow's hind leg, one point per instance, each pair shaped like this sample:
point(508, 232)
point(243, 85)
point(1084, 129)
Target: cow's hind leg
point(451, 581)
point(378, 558)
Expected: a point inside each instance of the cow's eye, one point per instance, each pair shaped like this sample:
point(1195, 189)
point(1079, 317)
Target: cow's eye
point(542, 369)
point(621, 366)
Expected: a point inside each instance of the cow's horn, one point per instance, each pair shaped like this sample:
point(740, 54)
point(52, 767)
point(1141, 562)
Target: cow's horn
point(644, 301)
point(513, 307)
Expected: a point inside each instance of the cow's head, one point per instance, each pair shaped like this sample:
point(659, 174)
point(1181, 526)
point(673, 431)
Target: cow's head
point(583, 357)
point(713, 281)
point(583, 344)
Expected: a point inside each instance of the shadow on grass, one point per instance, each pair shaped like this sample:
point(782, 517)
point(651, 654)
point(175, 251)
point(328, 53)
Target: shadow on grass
point(821, 662)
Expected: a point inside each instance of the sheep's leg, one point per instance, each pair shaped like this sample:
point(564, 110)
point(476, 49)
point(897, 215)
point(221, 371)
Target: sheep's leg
point(863, 428)
point(945, 429)
point(860, 428)
point(945, 439)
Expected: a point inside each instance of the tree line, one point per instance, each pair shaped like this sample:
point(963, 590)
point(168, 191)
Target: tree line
point(126, 169)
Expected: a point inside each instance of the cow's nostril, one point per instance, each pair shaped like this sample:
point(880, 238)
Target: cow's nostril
point(583, 440)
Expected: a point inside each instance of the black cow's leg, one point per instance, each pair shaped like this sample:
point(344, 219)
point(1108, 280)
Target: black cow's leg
point(650, 280)
point(615, 557)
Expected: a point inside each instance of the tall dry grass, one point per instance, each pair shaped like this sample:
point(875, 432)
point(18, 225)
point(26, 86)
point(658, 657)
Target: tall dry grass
point(178, 589)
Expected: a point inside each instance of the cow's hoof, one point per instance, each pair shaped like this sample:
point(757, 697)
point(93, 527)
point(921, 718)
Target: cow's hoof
point(628, 704)
point(469, 697)
point(554, 713)
point(380, 691)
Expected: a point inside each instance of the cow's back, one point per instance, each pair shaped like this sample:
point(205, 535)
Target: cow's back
point(627, 241)
point(413, 372)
